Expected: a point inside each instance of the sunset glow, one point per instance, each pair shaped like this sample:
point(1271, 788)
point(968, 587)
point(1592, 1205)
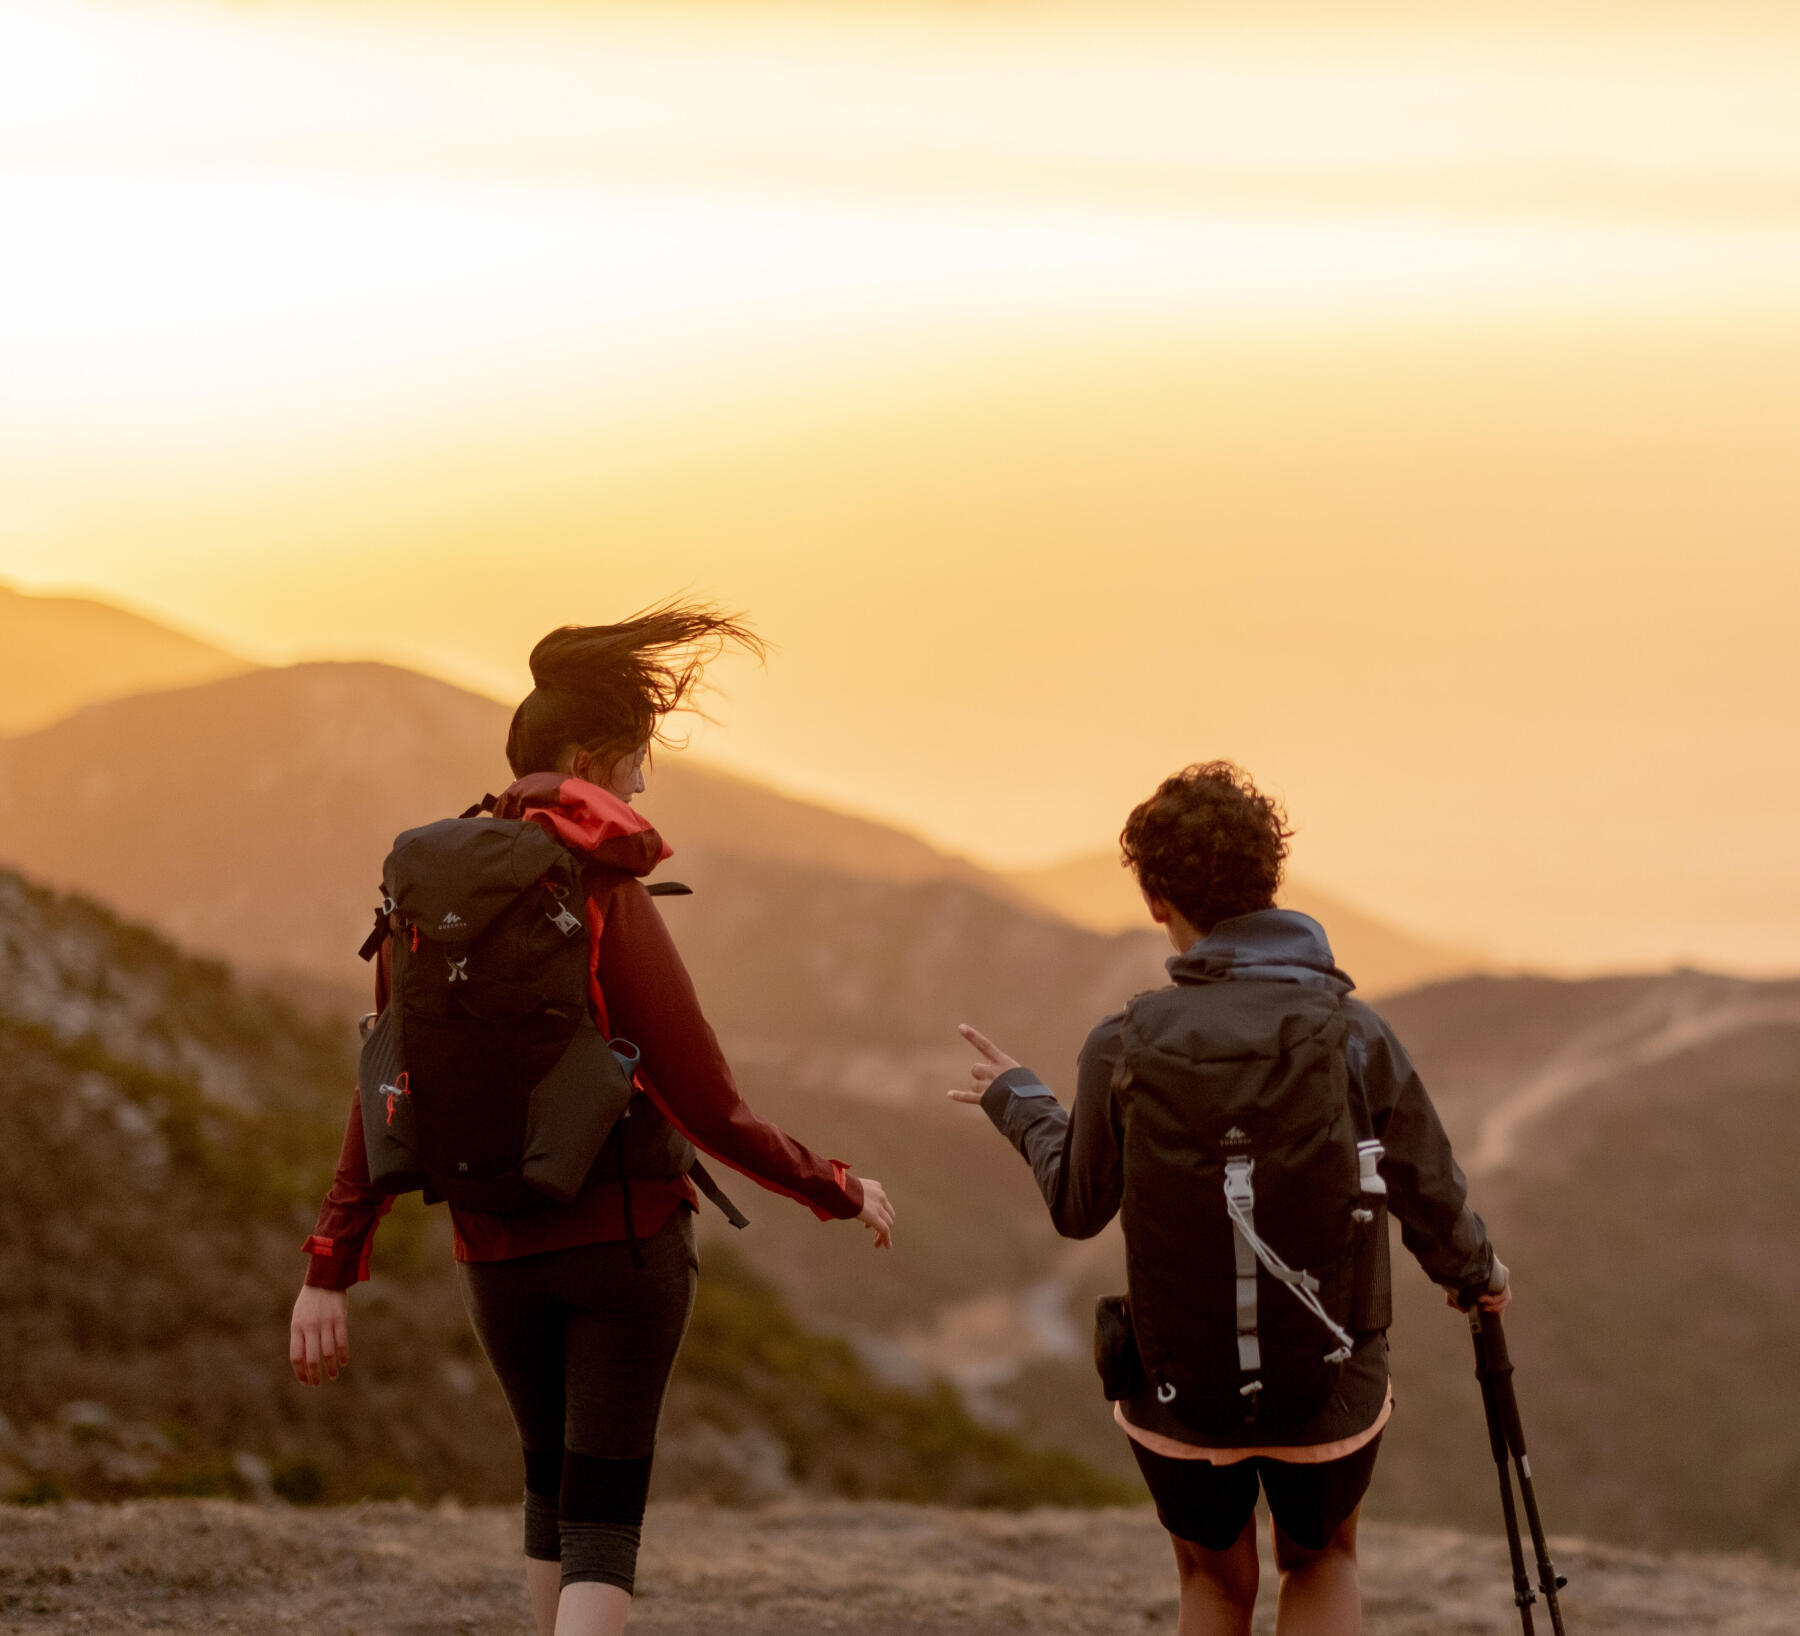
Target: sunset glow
point(1403, 413)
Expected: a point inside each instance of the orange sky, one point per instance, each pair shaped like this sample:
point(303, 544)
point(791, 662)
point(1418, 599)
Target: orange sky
point(1405, 415)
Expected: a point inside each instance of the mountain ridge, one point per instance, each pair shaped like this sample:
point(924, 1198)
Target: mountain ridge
point(339, 756)
point(60, 652)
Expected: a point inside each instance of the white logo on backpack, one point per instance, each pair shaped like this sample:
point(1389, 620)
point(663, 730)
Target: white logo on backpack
point(450, 920)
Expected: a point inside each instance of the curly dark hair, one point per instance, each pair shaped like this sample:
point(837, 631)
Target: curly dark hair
point(1209, 843)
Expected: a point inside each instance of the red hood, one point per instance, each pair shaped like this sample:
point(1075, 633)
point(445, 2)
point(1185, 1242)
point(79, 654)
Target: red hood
point(586, 819)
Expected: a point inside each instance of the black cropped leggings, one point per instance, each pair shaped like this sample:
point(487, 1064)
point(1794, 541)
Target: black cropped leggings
point(583, 1341)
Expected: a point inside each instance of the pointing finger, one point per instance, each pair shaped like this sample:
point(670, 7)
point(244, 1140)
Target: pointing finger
point(981, 1043)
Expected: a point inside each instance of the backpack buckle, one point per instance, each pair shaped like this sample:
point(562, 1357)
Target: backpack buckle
point(1238, 1190)
point(565, 920)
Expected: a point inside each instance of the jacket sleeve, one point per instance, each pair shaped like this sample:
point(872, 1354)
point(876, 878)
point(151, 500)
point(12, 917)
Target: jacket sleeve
point(1427, 1191)
point(344, 1233)
point(650, 1000)
point(1075, 1157)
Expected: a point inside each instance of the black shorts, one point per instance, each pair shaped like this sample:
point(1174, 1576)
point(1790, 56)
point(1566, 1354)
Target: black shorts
point(1209, 1505)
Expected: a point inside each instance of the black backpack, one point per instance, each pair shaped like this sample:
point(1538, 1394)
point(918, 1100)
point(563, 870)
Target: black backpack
point(1255, 1219)
point(484, 1080)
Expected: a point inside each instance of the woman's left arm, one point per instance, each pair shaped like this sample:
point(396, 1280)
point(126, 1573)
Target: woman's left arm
point(650, 1000)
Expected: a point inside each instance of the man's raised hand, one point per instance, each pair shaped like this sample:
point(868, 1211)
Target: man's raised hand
point(991, 1064)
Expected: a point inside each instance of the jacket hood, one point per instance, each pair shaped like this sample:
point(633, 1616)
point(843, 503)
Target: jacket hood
point(1270, 945)
point(587, 820)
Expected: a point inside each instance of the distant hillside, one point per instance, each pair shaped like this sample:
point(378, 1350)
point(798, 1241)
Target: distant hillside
point(58, 653)
point(1097, 892)
point(1648, 1205)
point(263, 805)
point(251, 817)
point(167, 1137)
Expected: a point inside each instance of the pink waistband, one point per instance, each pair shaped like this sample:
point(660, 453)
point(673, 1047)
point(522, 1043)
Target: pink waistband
point(1311, 1454)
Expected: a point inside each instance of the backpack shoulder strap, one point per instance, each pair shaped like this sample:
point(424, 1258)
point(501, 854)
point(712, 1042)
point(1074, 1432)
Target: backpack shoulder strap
point(1121, 1074)
point(1369, 1149)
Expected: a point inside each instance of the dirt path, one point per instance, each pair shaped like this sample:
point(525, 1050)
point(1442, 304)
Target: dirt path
point(1643, 1038)
point(795, 1569)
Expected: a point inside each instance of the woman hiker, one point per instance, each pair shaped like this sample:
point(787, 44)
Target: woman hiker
point(581, 1307)
point(1252, 1124)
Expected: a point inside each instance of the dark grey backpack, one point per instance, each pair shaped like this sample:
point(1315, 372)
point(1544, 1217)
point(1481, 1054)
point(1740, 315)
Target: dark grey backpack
point(484, 1080)
point(1254, 1216)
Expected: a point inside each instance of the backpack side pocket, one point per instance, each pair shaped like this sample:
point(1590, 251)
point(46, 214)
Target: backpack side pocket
point(1116, 1350)
point(1372, 1296)
point(390, 1134)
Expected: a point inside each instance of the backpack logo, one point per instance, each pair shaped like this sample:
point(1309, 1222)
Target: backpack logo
point(450, 921)
point(1236, 1135)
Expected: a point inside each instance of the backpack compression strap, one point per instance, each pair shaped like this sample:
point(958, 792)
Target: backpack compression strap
point(1240, 1205)
point(702, 1179)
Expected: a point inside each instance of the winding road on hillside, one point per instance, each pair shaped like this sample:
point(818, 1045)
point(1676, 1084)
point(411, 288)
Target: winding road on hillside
point(1666, 1025)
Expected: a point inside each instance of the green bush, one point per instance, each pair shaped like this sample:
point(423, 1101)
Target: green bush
point(299, 1481)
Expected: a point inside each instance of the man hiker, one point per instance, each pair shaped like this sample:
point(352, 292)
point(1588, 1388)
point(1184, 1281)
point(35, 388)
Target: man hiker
point(1252, 1125)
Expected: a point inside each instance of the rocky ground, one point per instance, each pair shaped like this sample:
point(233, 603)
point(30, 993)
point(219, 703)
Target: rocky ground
point(796, 1569)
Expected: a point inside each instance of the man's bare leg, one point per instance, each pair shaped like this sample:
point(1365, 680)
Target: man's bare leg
point(1218, 1588)
point(1320, 1595)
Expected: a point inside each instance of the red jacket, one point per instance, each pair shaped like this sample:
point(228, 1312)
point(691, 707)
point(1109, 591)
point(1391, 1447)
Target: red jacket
point(641, 991)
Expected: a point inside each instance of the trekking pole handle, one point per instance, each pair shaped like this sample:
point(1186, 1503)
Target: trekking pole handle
point(1496, 1363)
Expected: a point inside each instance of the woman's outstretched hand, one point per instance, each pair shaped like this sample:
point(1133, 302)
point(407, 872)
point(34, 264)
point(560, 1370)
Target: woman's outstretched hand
point(994, 1062)
point(877, 1214)
point(319, 1335)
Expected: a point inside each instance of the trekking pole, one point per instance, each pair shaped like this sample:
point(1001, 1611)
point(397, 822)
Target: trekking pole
point(1523, 1596)
point(1506, 1432)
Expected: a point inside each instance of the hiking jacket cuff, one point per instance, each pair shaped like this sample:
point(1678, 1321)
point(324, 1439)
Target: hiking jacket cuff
point(334, 1265)
point(1000, 1103)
